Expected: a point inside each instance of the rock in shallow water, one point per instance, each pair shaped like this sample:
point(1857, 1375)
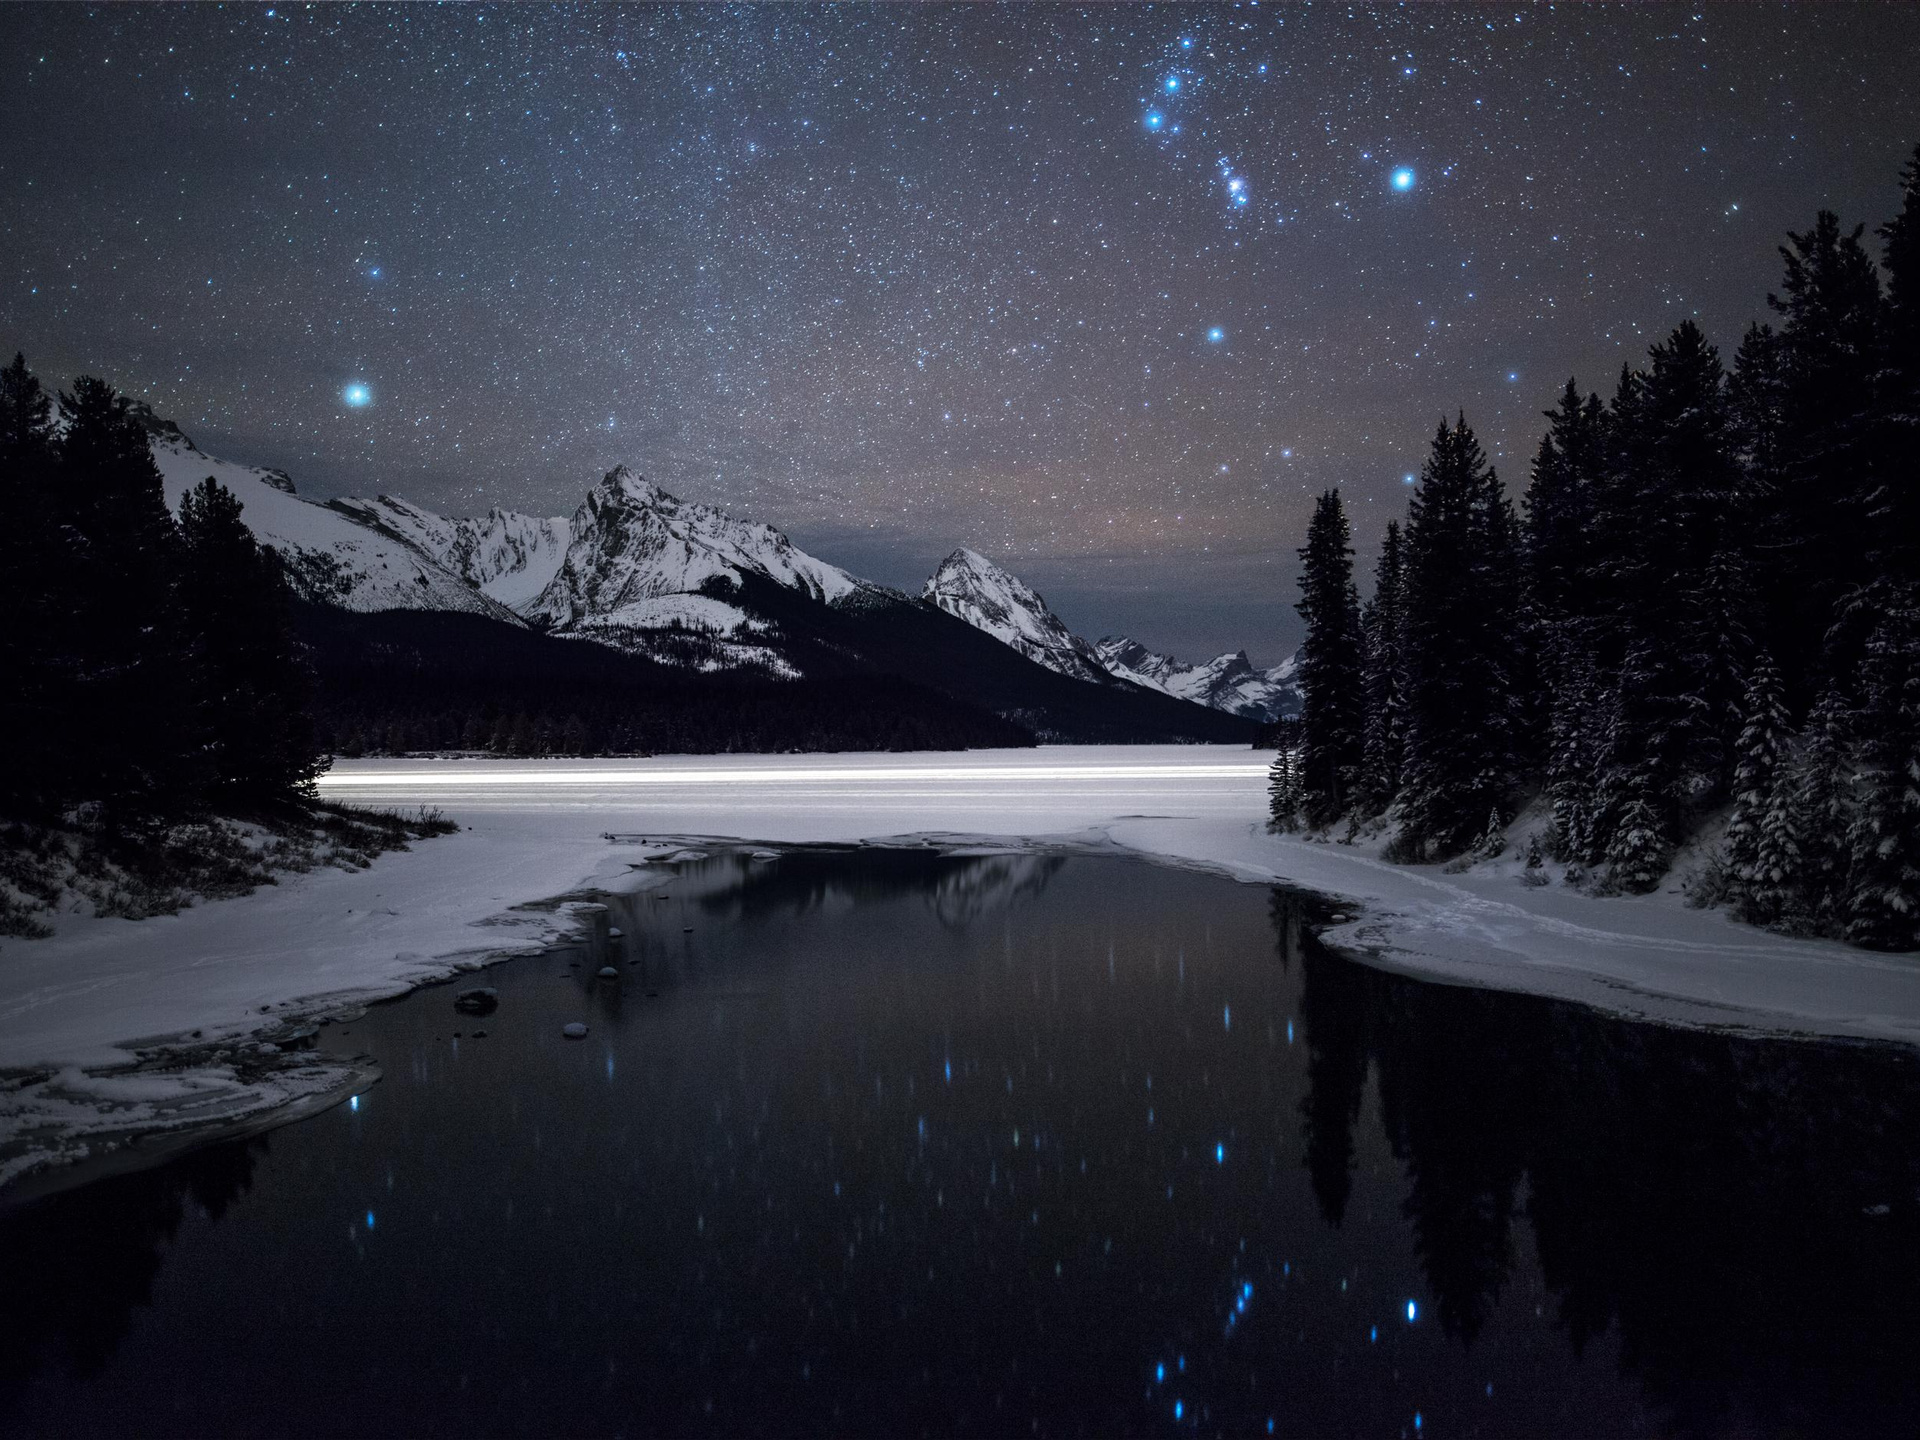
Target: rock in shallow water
point(481, 1000)
point(575, 1031)
point(614, 932)
point(607, 972)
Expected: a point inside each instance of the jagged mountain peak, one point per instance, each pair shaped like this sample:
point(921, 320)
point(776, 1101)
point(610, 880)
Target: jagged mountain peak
point(633, 542)
point(988, 597)
point(1228, 682)
point(333, 555)
point(505, 554)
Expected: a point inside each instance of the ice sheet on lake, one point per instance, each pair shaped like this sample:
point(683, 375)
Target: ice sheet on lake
point(100, 989)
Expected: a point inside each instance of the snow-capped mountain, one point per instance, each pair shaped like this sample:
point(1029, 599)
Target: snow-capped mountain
point(1227, 682)
point(331, 557)
point(685, 584)
point(646, 571)
point(974, 589)
point(504, 554)
point(633, 543)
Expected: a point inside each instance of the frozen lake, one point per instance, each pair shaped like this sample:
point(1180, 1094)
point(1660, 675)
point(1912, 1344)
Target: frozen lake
point(884, 1142)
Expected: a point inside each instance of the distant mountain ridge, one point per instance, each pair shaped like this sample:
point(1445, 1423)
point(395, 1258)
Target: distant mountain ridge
point(331, 557)
point(987, 596)
point(973, 588)
point(1227, 682)
point(504, 554)
point(686, 585)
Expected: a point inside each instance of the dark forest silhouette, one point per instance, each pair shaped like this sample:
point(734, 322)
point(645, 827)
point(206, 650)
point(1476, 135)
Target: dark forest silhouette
point(1709, 610)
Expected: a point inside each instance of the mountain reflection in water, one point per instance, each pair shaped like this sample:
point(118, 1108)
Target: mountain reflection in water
point(869, 1141)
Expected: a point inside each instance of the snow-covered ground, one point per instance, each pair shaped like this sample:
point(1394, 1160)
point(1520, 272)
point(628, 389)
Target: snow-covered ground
point(95, 992)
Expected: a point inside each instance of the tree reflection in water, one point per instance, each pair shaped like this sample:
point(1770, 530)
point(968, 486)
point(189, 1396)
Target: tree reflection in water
point(76, 1266)
point(869, 1141)
point(1715, 1198)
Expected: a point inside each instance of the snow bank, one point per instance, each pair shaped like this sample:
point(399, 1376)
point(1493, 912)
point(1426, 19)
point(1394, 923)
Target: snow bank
point(101, 990)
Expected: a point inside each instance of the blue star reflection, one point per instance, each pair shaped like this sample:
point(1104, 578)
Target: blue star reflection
point(357, 395)
point(1413, 1311)
point(1403, 179)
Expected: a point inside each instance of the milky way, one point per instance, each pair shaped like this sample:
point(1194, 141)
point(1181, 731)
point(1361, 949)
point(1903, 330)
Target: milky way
point(1106, 294)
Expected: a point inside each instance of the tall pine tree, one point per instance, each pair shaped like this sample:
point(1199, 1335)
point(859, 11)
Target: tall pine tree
point(1331, 659)
point(1764, 738)
point(251, 683)
point(1385, 729)
point(1831, 325)
point(1883, 900)
point(1463, 650)
point(120, 690)
point(32, 752)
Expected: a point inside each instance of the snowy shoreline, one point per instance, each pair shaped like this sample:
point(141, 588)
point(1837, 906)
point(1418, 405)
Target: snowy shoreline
point(78, 1010)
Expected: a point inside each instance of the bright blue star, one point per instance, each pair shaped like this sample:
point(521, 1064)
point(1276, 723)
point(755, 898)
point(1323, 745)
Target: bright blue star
point(1403, 179)
point(1173, 83)
point(1155, 119)
point(1186, 42)
point(1216, 335)
point(1512, 376)
point(1407, 479)
point(357, 395)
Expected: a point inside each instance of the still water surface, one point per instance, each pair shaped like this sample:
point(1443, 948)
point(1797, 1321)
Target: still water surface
point(882, 1142)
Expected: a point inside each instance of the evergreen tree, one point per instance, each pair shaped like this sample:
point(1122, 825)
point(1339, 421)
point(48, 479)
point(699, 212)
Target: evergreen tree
point(1562, 498)
point(30, 748)
point(1831, 323)
point(1286, 788)
point(1678, 600)
point(1821, 794)
point(1883, 903)
point(1757, 408)
point(1462, 647)
point(1576, 730)
point(119, 692)
point(252, 687)
point(1717, 649)
point(1893, 504)
point(1762, 754)
point(1771, 889)
point(26, 418)
point(1331, 659)
point(1385, 726)
point(1638, 850)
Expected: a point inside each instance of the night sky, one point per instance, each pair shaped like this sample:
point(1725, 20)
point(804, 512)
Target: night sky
point(1106, 294)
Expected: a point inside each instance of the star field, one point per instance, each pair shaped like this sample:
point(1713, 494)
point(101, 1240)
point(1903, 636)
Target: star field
point(1109, 294)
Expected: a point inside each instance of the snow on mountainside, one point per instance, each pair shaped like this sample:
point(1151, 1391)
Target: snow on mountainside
point(504, 554)
point(330, 556)
point(643, 569)
point(974, 589)
point(1227, 682)
point(631, 541)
